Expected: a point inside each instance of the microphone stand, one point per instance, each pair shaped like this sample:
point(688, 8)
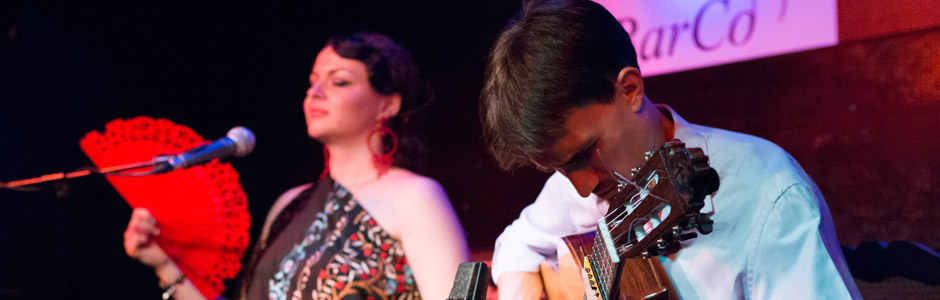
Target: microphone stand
point(119, 170)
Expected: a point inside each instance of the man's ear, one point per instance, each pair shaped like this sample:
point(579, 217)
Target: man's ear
point(630, 87)
point(391, 105)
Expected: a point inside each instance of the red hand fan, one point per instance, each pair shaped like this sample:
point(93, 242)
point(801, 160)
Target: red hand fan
point(201, 211)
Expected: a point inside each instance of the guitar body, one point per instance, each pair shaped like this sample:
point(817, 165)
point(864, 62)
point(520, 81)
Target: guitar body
point(651, 280)
point(654, 210)
point(642, 278)
point(648, 280)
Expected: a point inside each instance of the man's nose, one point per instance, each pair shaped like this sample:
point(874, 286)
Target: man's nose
point(584, 181)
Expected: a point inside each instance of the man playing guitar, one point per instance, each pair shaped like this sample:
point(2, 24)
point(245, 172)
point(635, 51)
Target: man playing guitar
point(564, 93)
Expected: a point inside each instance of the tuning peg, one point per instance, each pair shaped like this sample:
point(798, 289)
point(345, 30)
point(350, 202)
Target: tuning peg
point(661, 242)
point(703, 223)
point(666, 247)
point(634, 171)
point(686, 236)
point(652, 251)
point(677, 229)
point(648, 154)
point(705, 228)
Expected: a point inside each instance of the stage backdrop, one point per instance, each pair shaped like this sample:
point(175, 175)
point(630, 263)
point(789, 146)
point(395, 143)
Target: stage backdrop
point(677, 35)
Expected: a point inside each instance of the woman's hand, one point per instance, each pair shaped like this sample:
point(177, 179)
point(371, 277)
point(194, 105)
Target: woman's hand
point(140, 240)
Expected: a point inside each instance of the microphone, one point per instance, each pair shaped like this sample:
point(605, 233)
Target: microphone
point(239, 141)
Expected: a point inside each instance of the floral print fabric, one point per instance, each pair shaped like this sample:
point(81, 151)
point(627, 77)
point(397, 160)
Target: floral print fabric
point(344, 254)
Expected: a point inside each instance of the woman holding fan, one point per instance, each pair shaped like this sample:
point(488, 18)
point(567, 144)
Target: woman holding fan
point(369, 228)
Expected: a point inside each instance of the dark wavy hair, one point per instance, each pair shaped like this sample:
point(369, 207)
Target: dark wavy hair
point(391, 70)
point(555, 55)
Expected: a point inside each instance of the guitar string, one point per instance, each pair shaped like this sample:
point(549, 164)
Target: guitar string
point(619, 215)
point(622, 212)
point(592, 259)
point(630, 229)
point(607, 271)
point(621, 180)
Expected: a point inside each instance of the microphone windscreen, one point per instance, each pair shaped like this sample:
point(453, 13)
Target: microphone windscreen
point(244, 140)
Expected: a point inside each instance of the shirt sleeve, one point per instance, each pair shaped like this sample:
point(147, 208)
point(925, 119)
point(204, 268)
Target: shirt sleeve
point(797, 255)
point(534, 237)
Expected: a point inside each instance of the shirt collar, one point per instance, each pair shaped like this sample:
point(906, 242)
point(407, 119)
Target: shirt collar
point(693, 138)
point(685, 131)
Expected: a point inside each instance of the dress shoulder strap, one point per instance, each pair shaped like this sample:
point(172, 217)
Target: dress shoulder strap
point(316, 193)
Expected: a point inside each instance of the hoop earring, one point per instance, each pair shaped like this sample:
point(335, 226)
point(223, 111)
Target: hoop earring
point(383, 161)
point(326, 162)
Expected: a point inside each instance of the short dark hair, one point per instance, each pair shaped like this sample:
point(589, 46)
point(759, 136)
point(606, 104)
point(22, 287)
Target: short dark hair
point(391, 70)
point(554, 56)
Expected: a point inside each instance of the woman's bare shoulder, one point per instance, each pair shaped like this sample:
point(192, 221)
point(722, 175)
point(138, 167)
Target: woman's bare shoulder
point(410, 186)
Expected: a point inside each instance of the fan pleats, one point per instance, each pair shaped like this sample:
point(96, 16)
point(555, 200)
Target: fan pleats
point(202, 212)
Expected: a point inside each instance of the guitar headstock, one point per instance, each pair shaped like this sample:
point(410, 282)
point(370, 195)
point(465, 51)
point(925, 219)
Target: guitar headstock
point(650, 214)
point(661, 203)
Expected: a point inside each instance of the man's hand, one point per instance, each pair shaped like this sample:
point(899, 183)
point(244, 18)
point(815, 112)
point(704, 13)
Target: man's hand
point(519, 286)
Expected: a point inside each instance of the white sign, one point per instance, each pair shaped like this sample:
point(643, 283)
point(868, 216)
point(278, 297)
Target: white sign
point(677, 35)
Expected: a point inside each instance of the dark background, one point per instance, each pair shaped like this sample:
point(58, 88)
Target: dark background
point(861, 118)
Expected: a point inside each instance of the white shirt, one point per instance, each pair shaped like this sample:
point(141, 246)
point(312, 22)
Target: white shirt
point(773, 235)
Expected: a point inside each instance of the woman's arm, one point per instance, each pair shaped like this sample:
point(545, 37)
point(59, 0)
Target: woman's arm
point(432, 237)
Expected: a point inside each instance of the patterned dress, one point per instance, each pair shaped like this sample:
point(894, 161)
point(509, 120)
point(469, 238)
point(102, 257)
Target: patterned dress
point(330, 248)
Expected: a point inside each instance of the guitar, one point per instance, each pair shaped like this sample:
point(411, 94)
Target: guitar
point(650, 214)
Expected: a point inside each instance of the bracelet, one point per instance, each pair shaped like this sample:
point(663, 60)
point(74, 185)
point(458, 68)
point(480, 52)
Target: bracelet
point(169, 289)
